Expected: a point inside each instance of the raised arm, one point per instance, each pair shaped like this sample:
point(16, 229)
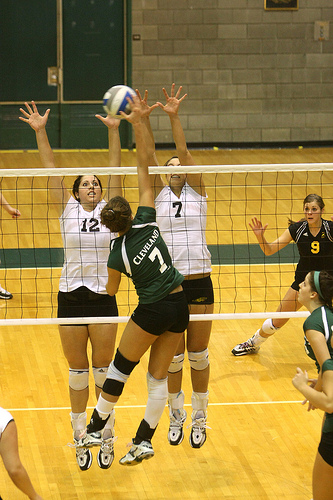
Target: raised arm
point(146, 197)
point(58, 191)
point(269, 248)
point(157, 181)
point(114, 181)
point(171, 108)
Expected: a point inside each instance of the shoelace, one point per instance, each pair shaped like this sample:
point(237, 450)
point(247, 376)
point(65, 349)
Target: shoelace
point(201, 423)
point(174, 422)
point(107, 445)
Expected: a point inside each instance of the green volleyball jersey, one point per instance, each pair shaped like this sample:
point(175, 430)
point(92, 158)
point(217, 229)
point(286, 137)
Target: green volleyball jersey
point(143, 256)
point(320, 320)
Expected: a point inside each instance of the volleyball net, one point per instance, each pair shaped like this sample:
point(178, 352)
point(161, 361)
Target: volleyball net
point(247, 284)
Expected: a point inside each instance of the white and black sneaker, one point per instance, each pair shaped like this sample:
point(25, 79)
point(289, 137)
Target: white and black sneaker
point(105, 455)
point(247, 347)
point(138, 453)
point(83, 455)
point(198, 429)
point(176, 433)
point(4, 294)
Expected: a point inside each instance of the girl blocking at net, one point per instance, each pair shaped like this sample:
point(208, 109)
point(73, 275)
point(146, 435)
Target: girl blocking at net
point(9, 453)
point(316, 294)
point(161, 316)
point(181, 209)
point(314, 239)
point(82, 286)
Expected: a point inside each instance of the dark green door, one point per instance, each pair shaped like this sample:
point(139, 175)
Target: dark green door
point(64, 54)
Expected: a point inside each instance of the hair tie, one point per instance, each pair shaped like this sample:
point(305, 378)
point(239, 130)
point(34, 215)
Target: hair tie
point(317, 284)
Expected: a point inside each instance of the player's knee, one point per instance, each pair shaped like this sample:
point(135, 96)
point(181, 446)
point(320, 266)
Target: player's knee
point(176, 363)
point(268, 327)
point(117, 374)
point(100, 375)
point(157, 389)
point(199, 360)
point(78, 379)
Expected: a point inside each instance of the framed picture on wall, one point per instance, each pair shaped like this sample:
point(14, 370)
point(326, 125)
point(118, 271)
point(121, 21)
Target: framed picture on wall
point(281, 4)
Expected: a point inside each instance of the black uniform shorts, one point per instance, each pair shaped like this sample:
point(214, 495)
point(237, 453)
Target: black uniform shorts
point(325, 447)
point(168, 314)
point(199, 291)
point(82, 302)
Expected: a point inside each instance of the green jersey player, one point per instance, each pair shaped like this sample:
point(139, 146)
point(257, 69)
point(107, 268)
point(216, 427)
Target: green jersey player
point(316, 293)
point(161, 316)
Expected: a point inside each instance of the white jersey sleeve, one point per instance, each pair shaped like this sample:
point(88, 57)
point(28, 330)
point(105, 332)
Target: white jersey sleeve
point(182, 222)
point(5, 418)
point(86, 248)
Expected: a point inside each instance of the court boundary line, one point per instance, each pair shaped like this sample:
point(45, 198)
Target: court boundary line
point(126, 407)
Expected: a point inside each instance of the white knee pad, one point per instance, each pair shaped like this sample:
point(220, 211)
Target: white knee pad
point(157, 389)
point(176, 363)
point(268, 327)
point(78, 379)
point(157, 397)
point(199, 360)
point(100, 376)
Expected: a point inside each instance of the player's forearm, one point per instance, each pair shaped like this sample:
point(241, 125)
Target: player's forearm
point(21, 479)
point(44, 148)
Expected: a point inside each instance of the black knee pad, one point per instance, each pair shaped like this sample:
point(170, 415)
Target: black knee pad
point(113, 387)
point(124, 365)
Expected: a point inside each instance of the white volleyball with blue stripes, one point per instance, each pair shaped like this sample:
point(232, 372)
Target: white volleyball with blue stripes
point(115, 100)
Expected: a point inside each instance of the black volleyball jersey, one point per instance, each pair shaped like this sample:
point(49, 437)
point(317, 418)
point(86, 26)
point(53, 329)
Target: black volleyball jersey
point(316, 252)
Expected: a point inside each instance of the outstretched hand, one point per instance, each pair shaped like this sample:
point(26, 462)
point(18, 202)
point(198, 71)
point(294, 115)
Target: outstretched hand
point(136, 110)
point(173, 101)
point(109, 121)
point(146, 109)
point(257, 227)
point(36, 121)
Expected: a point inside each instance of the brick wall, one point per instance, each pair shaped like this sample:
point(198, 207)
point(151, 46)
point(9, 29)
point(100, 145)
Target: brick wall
point(252, 76)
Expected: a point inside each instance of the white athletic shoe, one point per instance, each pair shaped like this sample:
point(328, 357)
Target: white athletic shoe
point(105, 455)
point(137, 453)
point(4, 294)
point(176, 433)
point(198, 429)
point(83, 455)
point(247, 347)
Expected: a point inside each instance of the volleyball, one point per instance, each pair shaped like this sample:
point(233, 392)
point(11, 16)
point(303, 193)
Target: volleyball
point(115, 100)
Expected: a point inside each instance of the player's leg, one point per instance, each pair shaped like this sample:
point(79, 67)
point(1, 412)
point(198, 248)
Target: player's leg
point(103, 338)
point(161, 354)
point(269, 326)
point(322, 479)
point(198, 335)
point(176, 397)
point(74, 339)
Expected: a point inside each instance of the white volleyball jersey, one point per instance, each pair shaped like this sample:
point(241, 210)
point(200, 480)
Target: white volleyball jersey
point(86, 248)
point(182, 222)
point(5, 418)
